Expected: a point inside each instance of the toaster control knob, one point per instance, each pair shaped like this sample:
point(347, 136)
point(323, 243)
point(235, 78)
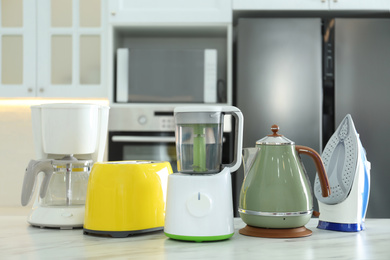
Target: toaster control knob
point(199, 204)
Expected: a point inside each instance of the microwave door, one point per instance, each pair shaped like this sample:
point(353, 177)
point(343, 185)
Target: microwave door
point(166, 76)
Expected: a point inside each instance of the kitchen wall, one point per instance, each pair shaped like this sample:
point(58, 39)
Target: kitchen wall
point(16, 145)
point(16, 149)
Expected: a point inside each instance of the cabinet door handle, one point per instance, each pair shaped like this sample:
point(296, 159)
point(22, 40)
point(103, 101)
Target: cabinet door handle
point(30, 90)
point(41, 90)
point(323, 1)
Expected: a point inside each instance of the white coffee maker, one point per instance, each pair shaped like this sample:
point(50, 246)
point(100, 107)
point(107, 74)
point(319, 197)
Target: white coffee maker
point(68, 139)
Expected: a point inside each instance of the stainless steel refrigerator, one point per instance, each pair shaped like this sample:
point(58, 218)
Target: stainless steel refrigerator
point(362, 89)
point(280, 80)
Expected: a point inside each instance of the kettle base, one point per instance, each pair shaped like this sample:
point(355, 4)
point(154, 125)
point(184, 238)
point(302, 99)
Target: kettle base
point(275, 232)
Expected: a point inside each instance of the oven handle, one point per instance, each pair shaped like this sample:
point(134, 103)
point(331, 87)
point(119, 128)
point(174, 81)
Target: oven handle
point(143, 139)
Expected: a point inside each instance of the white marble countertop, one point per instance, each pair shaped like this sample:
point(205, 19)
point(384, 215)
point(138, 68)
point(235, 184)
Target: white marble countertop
point(18, 240)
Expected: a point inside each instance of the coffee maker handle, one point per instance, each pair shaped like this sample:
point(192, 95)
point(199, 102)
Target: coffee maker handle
point(239, 127)
point(30, 176)
point(319, 166)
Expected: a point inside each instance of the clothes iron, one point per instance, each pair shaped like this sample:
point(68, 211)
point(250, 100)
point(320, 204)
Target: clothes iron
point(349, 178)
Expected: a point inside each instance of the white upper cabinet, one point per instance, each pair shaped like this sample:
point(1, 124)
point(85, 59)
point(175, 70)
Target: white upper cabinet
point(57, 50)
point(359, 5)
point(169, 11)
point(17, 48)
point(280, 4)
point(297, 5)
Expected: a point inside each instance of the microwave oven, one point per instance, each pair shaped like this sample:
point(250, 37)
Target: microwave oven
point(166, 76)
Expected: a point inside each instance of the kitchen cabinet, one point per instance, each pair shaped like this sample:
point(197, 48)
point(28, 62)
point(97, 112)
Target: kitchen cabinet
point(172, 25)
point(17, 48)
point(313, 5)
point(169, 11)
point(197, 36)
point(365, 5)
point(295, 5)
point(52, 48)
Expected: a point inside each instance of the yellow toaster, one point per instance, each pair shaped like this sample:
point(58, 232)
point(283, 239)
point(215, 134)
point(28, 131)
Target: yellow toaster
point(126, 198)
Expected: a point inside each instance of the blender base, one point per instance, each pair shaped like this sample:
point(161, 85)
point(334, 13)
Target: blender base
point(199, 238)
point(275, 232)
point(199, 207)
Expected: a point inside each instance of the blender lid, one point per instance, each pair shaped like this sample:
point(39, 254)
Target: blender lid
point(275, 138)
point(198, 108)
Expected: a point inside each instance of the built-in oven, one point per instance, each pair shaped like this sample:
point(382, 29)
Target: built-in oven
point(159, 146)
point(148, 133)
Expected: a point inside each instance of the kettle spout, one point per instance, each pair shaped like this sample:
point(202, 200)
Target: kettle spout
point(249, 156)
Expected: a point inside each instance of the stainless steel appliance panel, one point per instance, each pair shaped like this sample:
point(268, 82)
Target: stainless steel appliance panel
point(166, 76)
point(279, 81)
point(154, 146)
point(362, 80)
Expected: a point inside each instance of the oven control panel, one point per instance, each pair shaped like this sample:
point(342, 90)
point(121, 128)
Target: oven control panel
point(141, 119)
point(147, 119)
point(167, 124)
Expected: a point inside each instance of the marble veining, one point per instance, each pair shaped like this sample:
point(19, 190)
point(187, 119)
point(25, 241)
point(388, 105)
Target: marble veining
point(18, 240)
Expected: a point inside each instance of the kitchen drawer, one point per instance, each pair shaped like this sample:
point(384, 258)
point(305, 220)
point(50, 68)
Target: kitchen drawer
point(169, 11)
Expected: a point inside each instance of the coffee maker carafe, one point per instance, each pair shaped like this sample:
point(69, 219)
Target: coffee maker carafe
point(199, 197)
point(68, 139)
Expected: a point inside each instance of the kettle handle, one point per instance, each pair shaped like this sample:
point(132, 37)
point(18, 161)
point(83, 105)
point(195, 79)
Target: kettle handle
point(319, 166)
point(29, 182)
point(239, 128)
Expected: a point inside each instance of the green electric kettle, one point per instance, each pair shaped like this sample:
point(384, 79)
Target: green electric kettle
point(276, 192)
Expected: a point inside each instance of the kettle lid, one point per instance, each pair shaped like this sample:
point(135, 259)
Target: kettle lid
point(275, 138)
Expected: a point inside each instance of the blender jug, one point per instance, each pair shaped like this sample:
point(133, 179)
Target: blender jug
point(199, 146)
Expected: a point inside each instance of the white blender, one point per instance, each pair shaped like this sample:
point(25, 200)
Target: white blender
point(68, 139)
point(199, 197)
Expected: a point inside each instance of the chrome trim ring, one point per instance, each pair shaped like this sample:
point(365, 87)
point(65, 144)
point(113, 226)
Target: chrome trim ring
point(271, 143)
point(275, 214)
